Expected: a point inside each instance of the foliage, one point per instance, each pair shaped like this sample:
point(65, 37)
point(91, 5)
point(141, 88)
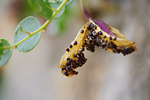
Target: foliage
point(28, 32)
point(5, 52)
point(23, 30)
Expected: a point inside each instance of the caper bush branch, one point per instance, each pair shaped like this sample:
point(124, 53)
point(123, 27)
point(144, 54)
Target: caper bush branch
point(43, 27)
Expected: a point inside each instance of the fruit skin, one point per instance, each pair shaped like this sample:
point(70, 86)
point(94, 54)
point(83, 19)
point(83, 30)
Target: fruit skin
point(77, 44)
point(120, 44)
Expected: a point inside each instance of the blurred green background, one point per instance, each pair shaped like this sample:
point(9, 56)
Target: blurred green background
point(105, 76)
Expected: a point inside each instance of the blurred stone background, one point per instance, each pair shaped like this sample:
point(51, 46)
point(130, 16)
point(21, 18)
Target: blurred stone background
point(105, 76)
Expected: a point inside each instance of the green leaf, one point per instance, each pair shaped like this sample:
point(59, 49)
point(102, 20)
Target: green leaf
point(41, 7)
point(29, 25)
point(55, 6)
point(5, 52)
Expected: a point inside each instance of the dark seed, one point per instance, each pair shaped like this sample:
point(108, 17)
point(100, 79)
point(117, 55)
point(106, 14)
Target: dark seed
point(94, 33)
point(85, 42)
point(63, 68)
point(89, 26)
point(92, 25)
point(115, 38)
point(95, 27)
point(75, 73)
point(79, 52)
point(83, 45)
point(106, 48)
point(74, 55)
point(90, 34)
point(110, 38)
point(71, 60)
point(106, 41)
point(92, 30)
point(82, 49)
point(68, 59)
point(104, 36)
point(103, 45)
point(102, 41)
point(90, 41)
point(74, 67)
point(69, 68)
point(67, 49)
point(70, 46)
point(66, 73)
point(75, 43)
point(100, 33)
point(66, 64)
point(78, 60)
point(82, 31)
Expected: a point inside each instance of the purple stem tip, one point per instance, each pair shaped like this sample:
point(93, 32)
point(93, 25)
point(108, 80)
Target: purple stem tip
point(86, 14)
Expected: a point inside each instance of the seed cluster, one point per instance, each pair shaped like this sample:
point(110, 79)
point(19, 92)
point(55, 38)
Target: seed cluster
point(100, 40)
point(77, 59)
point(90, 36)
point(71, 65)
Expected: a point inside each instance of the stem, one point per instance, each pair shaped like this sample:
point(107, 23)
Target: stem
point(86, 14)
point(43, 26)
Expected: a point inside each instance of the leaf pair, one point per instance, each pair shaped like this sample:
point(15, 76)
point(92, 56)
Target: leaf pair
point(23, 30)
point(24, 39)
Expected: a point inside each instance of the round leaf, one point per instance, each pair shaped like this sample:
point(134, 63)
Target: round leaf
point(55, 6)
point(29, 25)
point(5, 52)
point(41, 7)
